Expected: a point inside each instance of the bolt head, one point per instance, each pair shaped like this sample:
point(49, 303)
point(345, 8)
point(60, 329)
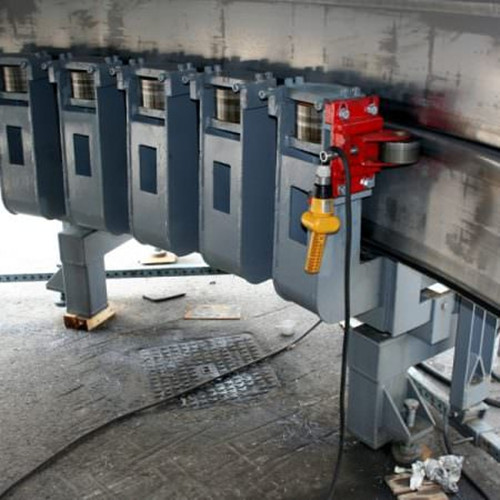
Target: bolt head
point(372, 109)
point(344, 113)
point(411, 404)
point(368, 182)
point(318, 105)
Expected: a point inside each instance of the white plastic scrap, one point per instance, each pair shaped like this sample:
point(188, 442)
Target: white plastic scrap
point(417, 475)
point(446, 471)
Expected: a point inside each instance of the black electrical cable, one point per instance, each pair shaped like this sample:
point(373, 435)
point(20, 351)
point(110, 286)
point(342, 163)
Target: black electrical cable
point(446, 381)
point(449, 450)
point(75, 443)
point(495, 376)
point(347, 317)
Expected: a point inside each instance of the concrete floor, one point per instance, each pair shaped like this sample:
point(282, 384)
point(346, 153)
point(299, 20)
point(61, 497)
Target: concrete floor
point(58, 383)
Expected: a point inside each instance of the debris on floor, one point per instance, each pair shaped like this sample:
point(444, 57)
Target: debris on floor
point(159, 258)
point(445, 470)
point(400, 487)
point(213, 311)
point(161, 297)
point(428, 479)
point(287, 327)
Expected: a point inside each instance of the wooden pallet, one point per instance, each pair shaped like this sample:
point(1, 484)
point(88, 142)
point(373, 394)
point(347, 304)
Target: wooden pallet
point(75, 322)
point(400, 487)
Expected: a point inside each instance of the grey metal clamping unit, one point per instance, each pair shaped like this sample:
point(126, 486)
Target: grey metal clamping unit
point(302, 135)
point(94, 142)
point(163, 155)
point(238, 155)
point(31, 171)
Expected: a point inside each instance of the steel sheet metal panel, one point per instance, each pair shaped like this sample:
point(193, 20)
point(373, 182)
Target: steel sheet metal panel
point(437, 62)
point(443, 214)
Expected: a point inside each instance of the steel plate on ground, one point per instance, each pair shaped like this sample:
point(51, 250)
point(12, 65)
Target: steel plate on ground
point(176, 367)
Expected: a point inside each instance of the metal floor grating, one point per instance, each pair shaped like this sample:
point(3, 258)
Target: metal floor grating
point(175, 367)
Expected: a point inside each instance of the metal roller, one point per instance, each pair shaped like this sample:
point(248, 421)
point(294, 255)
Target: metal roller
point(400, 153)
point(227, 105)
point(82, 85)
point(15, 79)
point(309, 122)
point(152, 94)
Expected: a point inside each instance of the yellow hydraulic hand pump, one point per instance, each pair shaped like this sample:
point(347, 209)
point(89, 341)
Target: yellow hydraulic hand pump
point(320, 219)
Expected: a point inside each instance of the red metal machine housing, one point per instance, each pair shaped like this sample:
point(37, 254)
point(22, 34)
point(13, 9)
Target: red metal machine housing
point(358, 129)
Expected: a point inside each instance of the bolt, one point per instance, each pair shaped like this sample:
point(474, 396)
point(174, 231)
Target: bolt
point(24, 64)
point(90, 70)
point(344, 113)
point(372, 109)
point(411, 406)
point(367, 182)
point(326, 157)
point(263, 94)
point(318, 105)
point(341, 190)
point(162, 77)
point(236, 87)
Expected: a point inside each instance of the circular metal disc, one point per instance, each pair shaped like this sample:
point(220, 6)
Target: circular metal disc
point(400, 153)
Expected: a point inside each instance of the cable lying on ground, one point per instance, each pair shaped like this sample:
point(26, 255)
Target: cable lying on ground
point(132, 413)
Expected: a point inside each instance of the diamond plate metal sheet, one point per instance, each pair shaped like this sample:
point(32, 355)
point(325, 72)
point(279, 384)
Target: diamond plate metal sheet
point(178, 366)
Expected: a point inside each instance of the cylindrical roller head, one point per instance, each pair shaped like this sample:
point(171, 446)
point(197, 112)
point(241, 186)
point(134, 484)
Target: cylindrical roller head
point(82, 85)
point(309, 122)
point(152, 94)
point(400, 153)
point(227, 105)
point(15, 79)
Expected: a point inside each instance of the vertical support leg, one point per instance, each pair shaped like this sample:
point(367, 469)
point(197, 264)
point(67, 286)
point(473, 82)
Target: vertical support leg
point(82, 255)
point(474, 354)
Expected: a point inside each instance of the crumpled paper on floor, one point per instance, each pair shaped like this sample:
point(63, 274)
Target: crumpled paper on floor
point(445, 471)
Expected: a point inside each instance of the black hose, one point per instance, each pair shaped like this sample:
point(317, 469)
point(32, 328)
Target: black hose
point(347, 316)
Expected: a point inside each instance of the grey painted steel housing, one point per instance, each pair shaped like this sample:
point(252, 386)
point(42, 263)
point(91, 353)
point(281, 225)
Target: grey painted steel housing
point(163, 157)
point(94, 146)
point(296, 166)
point(237, 179)
point(32, 183)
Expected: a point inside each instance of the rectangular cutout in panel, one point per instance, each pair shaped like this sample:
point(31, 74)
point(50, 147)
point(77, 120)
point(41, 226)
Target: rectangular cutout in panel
point(81, 146)
point(298, 205)
point(148, 176)
point(222, 187)
point(15, 145)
